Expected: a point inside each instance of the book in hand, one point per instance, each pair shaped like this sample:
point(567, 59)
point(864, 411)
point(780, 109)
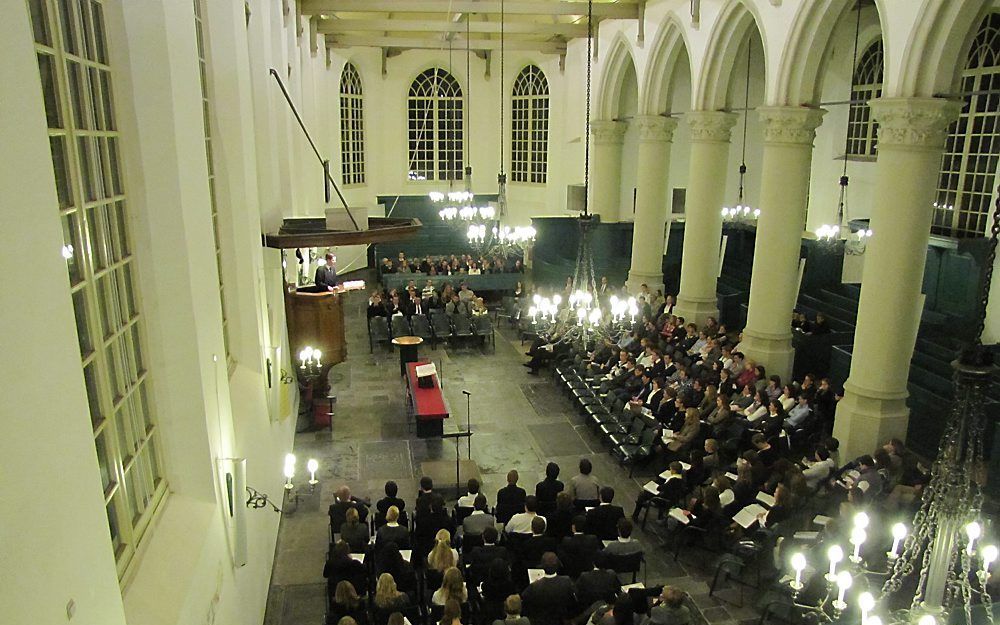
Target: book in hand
point(819, 519)
point(806, 535)
point(748, 515)
point(535, 574)
point(727, 497)
point(686, 466)
point(651, 487)
point(764, 498)
point(678, 515)
point(732, 476)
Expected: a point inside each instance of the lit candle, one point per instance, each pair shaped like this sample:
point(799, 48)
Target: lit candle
point(861, 520)
point(866, 602)
point(313, 466)
point(799, 564)
point(316, 356)
point(973, 531)
point(302, 357)
point(835, 554)
point(927, 619)
point(874, 620)
point(289, 471)
point(844, 582)
point(898, 534)
point(858, 538)
point(989, 557)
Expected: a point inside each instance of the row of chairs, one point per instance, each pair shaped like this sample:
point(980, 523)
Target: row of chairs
point(630, 435)
point(438, 327)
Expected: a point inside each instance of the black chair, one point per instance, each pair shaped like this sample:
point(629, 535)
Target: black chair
point(378, 332)
point(625, 564)
point(421, 326)
point(441, 325)
point(400, 326)
point(483, 328)
point(463, 326)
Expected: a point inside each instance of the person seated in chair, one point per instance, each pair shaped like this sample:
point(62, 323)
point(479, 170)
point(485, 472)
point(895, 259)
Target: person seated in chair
point(551, 599)
point(391, 499)
point(392, 531)
point(584, 487)
point(532, 549)
point(547, 489)
point(596, 586)
point(670, 608)
point(623, 546)
point(482, 557)
point(479, 520)
point(469, 499)
point(577, 551)
point(669, 488)
point(338, 509)
point(602, 520)
point(520, 523)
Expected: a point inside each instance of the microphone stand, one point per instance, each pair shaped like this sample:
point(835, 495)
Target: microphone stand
point(468, 417)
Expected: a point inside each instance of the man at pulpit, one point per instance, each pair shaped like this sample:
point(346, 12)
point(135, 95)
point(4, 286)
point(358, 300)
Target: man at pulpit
point(326, 274)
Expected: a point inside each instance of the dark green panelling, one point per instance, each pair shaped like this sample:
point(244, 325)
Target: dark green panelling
point(557, 242)
point(436, 237)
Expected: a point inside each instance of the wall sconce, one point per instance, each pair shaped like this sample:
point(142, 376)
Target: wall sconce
point(257, 499)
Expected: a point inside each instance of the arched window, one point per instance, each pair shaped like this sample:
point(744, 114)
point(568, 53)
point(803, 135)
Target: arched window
point(352, 127)
point(435, 126)
point(862, 131)
point(529, 134)
point(969, 164)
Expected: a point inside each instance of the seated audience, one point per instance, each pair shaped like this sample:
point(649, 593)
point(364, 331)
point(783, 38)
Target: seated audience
point(602, 520)
point(512, 612)
point(550, 599)
point(510, 498)
point(584, 488)
point(354, 532)
point(452, 588)
point(387, 597)
point(520, 523)
point(392, 531)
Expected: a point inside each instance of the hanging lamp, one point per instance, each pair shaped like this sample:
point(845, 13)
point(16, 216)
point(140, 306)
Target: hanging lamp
point(742, 214)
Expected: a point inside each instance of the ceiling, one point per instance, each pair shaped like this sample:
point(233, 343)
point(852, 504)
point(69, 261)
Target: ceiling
point(528, 25)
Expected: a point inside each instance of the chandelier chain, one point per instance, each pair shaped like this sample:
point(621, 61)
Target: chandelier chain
point(586, 136)
point(984, 294)
point(502, 15)
point(468, 96)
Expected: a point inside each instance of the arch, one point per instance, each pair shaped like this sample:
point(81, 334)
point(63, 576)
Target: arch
point(668, 44)
point(613, 77)
point(435, 126)
point(941, 39)
point(728, 34)
point(529, 117)
point(352, 126)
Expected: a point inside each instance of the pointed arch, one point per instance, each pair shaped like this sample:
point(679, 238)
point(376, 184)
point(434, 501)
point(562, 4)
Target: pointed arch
point(668, 45)
point(352, 126)
point(529, 117)
point(620, 60)
point(940, 41)
point(728, 34)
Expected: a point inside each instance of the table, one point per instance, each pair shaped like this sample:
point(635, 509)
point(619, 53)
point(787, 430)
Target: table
point(407, 350)
point(425, 404)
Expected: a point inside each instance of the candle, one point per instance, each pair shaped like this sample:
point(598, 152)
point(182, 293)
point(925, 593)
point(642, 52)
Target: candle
point(316, 355)
point(898, 534)
point(973, 531)
point(989, 557)
point(312, 465)
point(858, 538)
point(799, 564)
point(866, 602)
point(844, 582)
point(835, 554)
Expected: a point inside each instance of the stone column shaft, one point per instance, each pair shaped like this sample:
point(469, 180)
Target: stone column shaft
point(607, 138)
point(784, 191)
point(912, 134)
point(710, 133)
point(655, 135)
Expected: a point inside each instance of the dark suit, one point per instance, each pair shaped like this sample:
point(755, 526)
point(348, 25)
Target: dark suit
point(383, 505)
point(510, 501)
point(549, 601)
point(559, 524)
point(602, 521)
point(426, 528)
point(532, 549)
point(348, 569)
point(399, 535)
point(546, 490)
point(326, 276)
point(596, 585)
point(338, 513)
point(577, 553)
point(482, 557)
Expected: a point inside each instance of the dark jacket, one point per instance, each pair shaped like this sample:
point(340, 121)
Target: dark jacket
point(549, 601)
point(510, 501)
point(602, 521)
point(547, 489)
point(577, 553)
point(596, 585)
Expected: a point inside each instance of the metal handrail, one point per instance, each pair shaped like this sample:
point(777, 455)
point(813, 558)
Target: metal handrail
point(325, 163)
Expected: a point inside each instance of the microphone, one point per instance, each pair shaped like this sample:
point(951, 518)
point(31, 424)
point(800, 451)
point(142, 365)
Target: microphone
point(465, 392)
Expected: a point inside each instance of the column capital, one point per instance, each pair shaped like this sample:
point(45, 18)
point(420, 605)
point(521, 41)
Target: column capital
point(607, 131)
point(710, 126)
point(790, 124)
point(655, 128)
point(914, 122)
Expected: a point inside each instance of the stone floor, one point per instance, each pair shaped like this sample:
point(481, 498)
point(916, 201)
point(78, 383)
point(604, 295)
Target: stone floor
point(519, 421)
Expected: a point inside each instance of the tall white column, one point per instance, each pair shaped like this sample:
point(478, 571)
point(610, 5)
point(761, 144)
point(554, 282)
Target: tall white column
point(784, 191)
point(710, 132)
point(655, 134)
point(607, 137)
point(912, 133)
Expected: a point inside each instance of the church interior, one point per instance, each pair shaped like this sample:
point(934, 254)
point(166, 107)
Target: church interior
point(500, 312)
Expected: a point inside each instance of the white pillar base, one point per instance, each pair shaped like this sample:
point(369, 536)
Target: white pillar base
point(867, 417)
point(696, 310)
point(774, 352)
point(637, 278)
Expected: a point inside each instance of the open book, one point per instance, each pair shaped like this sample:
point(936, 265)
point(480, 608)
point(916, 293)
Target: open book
point(764, 498)
point(678, 515)
point(727, 497)
point(748, 515)
point(651, 487)
point(535, 574)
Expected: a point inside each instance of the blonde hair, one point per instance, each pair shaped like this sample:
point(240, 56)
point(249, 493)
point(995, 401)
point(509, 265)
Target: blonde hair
point(441, 557)
point(452, 612)
point(453, 585)
point(351, 517)
point(512, 605)
point(385, 590)
point(691, 416)
point(392, 514)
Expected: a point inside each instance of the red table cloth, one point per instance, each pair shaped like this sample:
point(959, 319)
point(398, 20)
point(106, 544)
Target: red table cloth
point(428, 403)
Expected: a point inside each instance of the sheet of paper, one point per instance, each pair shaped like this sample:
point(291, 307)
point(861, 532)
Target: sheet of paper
point(360, 557)
point(748, 515)
point(732, 476)
point(819, 519)
point(764, 498)
point(637, 585)
point(806, 535)
point(678, 515)
point(651, 487)
point(406, 553)
point(535, 574)
point(686, 466)
point(607, 542)
point(727, 497)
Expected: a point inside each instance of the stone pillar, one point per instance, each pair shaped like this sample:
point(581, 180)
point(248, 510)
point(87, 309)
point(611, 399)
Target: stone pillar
point(784, 192)
point(607, 137)
point(710, 131)
point(912, 134)
point(655, 135)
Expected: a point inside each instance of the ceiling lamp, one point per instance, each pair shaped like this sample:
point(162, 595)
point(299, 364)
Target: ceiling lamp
point(742, 215)
point(831, 235)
